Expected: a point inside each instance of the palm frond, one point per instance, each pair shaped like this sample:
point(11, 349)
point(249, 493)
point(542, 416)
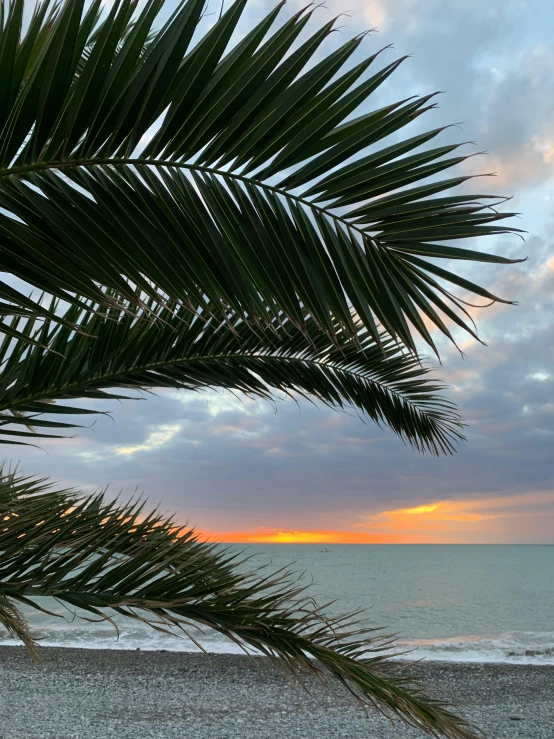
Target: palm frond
point(134, 155)
point(178, 348)
point(104, 557)
point(17, 627)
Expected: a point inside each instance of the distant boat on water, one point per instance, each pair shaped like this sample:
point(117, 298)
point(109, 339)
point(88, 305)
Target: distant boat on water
point(326, 551)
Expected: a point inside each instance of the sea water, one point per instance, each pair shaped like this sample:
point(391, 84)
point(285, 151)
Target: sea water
point(463, 603)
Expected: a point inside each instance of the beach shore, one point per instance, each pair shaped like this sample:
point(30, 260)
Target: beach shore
point(94, 694)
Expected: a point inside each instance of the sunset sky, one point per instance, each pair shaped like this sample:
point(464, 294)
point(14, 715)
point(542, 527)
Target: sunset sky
point(242, 470)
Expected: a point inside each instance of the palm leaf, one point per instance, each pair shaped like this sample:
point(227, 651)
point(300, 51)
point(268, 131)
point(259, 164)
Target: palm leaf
point(17, 627)
point(180, 348)
point(137, 157)
point(104, 557)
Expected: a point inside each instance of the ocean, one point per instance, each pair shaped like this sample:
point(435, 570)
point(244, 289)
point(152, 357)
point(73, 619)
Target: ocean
point(468, 603)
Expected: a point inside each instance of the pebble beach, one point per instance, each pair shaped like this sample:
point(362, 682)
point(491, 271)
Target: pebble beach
point(94, 694)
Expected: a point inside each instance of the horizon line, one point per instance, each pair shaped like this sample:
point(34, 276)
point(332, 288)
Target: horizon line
point(392, 543)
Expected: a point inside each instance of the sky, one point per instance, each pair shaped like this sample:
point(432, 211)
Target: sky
point(243, 470)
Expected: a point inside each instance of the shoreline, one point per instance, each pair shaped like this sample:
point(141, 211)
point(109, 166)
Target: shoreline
point(94, 694)
point(534, 659)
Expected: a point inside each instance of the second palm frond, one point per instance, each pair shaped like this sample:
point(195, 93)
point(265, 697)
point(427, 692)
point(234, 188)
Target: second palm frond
point(105, 354)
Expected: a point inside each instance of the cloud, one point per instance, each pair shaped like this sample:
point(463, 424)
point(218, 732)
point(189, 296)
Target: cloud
point(217, 402)
point(375, 13)
point(466, 520)
point(155, 440)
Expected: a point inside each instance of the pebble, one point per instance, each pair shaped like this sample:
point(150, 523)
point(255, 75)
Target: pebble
point(94, 694)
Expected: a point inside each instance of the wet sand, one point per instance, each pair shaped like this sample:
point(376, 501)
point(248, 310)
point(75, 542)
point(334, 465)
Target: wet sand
point(94, 694)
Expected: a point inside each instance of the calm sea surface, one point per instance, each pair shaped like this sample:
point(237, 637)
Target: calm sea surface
point(462, 603)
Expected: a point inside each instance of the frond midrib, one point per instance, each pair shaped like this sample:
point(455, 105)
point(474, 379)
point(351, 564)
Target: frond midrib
point(76, 163)
point(57, 392)
point(12, 587)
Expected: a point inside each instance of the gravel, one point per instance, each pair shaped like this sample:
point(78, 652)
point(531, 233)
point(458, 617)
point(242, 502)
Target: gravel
point(95, 694)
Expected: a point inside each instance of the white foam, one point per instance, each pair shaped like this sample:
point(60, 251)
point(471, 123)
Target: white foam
point(518, 647)
point(513, 647)
point(522, 647)
point(59, 632)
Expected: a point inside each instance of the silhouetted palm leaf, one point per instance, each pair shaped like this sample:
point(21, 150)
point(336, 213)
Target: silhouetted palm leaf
point(135, 155)
point(186, 349)
point(106, 557)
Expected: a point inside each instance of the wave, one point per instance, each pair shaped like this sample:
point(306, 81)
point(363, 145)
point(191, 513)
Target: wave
point(104, 636)
point(514, 647)
point(68, 631)
point(518, 647)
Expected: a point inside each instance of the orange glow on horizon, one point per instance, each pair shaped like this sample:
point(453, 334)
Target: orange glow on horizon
point(439, 522)
point(274, 536)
